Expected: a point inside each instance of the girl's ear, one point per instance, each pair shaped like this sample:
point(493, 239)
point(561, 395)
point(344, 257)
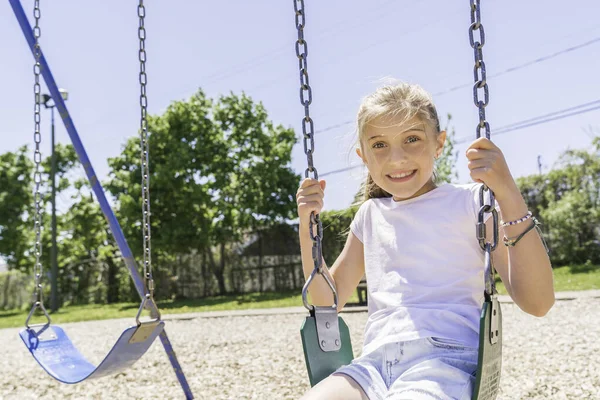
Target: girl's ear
point(359, 153)
point(441, 139)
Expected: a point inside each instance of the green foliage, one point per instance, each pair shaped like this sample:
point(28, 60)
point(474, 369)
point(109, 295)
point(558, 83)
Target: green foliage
point(15, 290)
point(567, 200)
point(335, 231)
point(445, 165)
point(16, 200)
point(82, 239)
point(85, 249)
point(573, 222)
point(219, 169)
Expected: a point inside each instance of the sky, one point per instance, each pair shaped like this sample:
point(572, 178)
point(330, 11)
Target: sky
point(235, 46)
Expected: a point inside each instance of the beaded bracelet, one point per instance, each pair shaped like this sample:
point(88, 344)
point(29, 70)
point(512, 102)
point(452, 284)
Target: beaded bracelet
point(517, 221)
point(535, 225)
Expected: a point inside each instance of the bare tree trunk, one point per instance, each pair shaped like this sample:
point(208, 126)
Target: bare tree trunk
point(206, 275)
point(112, 294)
point(260, 261)
point(6, 292)
point(218, 270)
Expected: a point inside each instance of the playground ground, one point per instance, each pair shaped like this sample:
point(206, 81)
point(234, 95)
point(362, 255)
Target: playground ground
point(258, 355)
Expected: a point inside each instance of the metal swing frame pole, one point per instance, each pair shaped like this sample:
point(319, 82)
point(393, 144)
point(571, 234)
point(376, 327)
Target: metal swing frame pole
point(96, 186)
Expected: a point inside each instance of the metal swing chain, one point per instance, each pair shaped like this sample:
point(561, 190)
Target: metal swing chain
point(37, 158)
point(308, 130)
point(145, 170)
point(308, 127)
point(479, 73)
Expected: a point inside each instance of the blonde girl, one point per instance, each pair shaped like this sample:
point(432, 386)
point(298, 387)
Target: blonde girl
point(415, 241)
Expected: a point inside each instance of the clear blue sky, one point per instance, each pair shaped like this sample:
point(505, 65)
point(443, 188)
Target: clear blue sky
point(224, 46)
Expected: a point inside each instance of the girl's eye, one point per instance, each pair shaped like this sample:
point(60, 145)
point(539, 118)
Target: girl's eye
point(378, 145)
point(413, 139)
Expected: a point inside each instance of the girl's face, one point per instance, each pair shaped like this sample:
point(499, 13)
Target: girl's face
point(400, 155)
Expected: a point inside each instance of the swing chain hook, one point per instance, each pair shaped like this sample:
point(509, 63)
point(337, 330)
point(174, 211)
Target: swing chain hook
point(308, 132)
point(144, 157)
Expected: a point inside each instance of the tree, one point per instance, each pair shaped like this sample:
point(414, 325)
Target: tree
point(16, 199)
point(87, 253)
point(218, 169)
point(445, 165)
point(567, 200)
point(81, 229)
point(573, 222)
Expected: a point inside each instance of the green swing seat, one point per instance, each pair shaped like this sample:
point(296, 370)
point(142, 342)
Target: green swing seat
point(322, 363)
point(489, 362)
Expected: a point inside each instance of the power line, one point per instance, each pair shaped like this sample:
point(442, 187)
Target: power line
point(539, 120)
point(549, 115)
point(521, 66)
point(543, 119)
point(337, 171)
point(506, 71)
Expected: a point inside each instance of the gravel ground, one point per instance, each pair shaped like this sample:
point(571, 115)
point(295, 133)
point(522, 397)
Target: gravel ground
point(260, 357)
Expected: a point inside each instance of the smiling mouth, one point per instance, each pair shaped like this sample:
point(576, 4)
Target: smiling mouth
point(402, 177)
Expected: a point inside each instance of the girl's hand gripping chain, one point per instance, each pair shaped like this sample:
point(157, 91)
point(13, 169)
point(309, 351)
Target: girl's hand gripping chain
point(488, 166)
point(310, 199)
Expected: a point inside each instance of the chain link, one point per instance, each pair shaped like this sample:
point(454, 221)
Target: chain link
point(308, 127)
point(483, 128)
point(145, 169)
point(38, 291)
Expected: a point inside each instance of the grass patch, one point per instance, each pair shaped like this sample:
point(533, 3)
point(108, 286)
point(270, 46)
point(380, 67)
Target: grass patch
point(569, 278)
point(91, 312)
point(579, 277)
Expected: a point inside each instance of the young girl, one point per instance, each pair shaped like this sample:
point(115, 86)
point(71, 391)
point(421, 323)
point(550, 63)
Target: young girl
point(415, 241)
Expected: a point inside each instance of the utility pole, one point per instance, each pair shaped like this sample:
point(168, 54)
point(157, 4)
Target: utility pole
point(539, 160)
point(54, 251)
point(48, 103)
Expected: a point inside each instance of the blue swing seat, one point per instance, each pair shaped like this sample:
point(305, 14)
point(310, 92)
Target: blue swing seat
point(54, 351)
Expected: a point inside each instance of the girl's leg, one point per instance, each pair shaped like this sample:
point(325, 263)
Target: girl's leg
point(439, 370)
point(336, 387)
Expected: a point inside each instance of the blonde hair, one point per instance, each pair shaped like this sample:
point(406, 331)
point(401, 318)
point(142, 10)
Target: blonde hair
point(391, 101)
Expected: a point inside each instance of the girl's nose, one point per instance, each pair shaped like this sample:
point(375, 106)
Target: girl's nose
point(398, 153)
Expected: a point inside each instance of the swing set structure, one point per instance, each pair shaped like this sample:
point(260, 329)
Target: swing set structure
point(49, 344)
point(325, 336)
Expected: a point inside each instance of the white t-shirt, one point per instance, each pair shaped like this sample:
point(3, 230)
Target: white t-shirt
point(424, 266)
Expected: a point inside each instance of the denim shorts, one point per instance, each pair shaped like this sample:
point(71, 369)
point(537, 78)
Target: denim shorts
point(429, 368)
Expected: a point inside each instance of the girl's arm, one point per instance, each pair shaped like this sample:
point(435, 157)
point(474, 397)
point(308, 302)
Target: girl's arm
point(525, 268)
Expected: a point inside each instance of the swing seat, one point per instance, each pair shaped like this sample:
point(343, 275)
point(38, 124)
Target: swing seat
point(320, 364)
point(489, 363)
point(54, 351)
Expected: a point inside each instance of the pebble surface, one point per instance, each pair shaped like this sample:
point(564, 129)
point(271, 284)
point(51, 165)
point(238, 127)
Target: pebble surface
point(260, 357)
